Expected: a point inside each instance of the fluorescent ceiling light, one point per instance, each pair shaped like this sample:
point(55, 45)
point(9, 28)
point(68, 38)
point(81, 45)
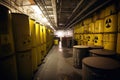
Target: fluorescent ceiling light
point(36, 9)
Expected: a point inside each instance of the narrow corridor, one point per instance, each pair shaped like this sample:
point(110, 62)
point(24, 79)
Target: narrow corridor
point(58, 65)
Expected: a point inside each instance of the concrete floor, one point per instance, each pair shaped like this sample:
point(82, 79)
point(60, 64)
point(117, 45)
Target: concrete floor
point(58, 65)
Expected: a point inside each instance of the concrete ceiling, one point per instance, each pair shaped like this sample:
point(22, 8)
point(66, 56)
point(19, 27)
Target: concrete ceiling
point(63, 14)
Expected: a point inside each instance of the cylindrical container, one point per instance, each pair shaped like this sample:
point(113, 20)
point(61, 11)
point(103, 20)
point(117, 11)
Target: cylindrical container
point(100, 68)
point(21, 30)
point(37, 31)
point(79, 52)
point(38, 55)
point(6, 38)
point(99, 26)
point(103, 53)
point(32, 32)
point(118, 43)
point(82, 29)
point(34, 59)
point(86, 28)
point(44, 46)
point(91, 39)
point(87, 21)
point(109, 41)
point(44, 34)
point(41, 34)
point(85, 39)
point(119, 22)
point(98, 39)
point(42, 52)
point(111, 9)
point(56, 42)
point(24, 65)
point(8, 69)
point(101, 14)
point(110, 23)
point(91, 27)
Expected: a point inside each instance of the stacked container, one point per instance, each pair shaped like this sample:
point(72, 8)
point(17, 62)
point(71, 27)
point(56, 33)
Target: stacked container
point(22, 39)
point(110, 29)
point(118, 35)
point(33, 44)
point(8, 69)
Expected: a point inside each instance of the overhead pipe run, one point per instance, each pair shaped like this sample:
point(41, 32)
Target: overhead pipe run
point(89, 13)
point(91, 3)
point(75, 11)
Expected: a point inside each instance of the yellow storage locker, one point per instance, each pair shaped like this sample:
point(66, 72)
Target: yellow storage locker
point(118, 43)
point(37, 30)
point(91, 27)
point(8, 69)
point(6, 38)
point(34, 59)
point(110, 24)
point(111, 9)
point(119, 22)
point(90, 39)
point(24, 65)
point(98, 39)
point(21, 31)
point(32, 32)
point(99, 24)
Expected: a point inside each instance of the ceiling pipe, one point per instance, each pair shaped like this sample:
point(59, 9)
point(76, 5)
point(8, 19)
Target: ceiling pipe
point(79, 4)
point(91, 3)
point(41, 4)
point(74, 11)
point(90, 13)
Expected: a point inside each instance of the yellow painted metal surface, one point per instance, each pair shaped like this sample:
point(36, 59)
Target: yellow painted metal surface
point(87, 21)
point(111, 9)
point(119, 22)
point(38, 55)
point(101, 14)
point(34, 59)
point(99, 26)
point(90, 39)
point(37, 30)
point(32, 32)
point(109, 41)
point(110, 24)
point(56, 42)
point(6, 38)
point(8, 69)
point(98, 39)
point(21, 30)
point(118, 44)
point(41, 34)
point(91, 27)
point(86, 28)
point(24, 65)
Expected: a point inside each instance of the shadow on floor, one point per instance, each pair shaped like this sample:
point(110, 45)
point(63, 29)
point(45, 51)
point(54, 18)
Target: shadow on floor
point(71, 76)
